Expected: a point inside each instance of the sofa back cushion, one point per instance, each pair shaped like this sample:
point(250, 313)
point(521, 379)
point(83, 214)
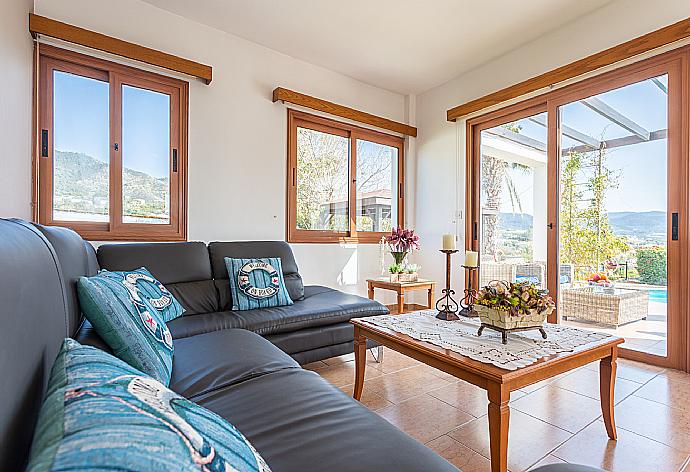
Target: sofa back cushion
point(183, 268)
point(34, 323)
point(77, 259)
point(253, 250)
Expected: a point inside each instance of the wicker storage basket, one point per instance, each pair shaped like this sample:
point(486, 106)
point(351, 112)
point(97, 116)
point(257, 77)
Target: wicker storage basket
point(502, 319)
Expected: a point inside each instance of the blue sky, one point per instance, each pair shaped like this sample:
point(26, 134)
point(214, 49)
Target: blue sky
point(641, 167)
point(81, 107)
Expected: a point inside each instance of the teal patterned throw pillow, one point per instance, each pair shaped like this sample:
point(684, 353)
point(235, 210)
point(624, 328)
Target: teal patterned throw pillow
point(151, 290)
point(123, 313)
point(257, 283)
point(101, 414)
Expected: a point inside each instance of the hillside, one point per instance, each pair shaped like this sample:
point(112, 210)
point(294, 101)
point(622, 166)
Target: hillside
point(646, 227)
point(81, 186)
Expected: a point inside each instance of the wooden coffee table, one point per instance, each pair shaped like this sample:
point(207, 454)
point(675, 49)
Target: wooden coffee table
point(496, 381)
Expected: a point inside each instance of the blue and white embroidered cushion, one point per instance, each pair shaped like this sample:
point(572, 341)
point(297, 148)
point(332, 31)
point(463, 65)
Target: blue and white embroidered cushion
point(257, 283)
point(121, 310)
point(102, 414)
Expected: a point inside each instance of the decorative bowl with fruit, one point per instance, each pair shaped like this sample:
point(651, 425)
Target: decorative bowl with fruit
point(599, 279)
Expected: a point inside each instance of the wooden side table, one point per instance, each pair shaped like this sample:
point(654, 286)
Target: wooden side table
point(401, 288)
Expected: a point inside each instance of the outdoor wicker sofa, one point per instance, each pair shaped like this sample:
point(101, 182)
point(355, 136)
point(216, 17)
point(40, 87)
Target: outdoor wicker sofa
point(611, 307)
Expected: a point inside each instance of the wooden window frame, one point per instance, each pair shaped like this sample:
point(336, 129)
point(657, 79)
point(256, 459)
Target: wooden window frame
point(353, 133)
point(49, 59)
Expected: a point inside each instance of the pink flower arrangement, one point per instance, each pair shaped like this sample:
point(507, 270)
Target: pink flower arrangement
point(402, 240)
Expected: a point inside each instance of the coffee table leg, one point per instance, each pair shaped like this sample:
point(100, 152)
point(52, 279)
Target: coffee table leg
point(360, 362)
point(499, 417)
point(607, 382)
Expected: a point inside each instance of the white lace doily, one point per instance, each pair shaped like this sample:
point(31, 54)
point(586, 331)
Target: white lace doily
point(523, 348)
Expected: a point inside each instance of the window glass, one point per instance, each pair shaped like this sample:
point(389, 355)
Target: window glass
point(322, 181)
point(80, 148)
point(513, 185)
point(377, 178)
point(145, 156)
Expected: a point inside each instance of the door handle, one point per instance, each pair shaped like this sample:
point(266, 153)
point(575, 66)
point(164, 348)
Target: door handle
point(674, 226)
point(44, 143)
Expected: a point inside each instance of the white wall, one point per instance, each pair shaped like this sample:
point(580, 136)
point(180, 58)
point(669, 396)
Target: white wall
point(237, 136)
point(440, 184)
point(15, 108)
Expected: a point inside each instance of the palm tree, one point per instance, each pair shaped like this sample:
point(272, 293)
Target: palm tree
point(494, 176)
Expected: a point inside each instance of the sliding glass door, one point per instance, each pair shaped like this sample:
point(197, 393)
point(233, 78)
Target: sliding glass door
point(613, 213)
point(584, 191)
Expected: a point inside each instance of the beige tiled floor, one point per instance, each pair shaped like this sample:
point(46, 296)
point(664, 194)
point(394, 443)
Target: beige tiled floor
point(550, 422)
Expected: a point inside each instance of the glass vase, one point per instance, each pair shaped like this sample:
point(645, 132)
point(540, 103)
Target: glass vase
point(399, 256)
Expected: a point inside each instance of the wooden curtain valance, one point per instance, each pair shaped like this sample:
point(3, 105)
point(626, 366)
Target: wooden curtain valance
point(290, 96)
point(74, 34)
point(634, 47)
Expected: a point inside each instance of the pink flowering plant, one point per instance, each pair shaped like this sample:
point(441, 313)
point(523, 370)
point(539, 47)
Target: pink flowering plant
point(401, 242)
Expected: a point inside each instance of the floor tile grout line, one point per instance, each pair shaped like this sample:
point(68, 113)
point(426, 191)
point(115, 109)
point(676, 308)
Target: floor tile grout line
point(657, 402)
point(639, 386)
point(553, 425)
point(652, 439)
point(466, 445)
point(552, 451)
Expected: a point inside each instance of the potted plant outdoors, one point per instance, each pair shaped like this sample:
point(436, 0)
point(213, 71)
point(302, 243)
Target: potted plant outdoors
point(506, 306)
point(401, 242)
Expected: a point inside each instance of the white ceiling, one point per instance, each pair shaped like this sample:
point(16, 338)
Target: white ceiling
point(407, 46)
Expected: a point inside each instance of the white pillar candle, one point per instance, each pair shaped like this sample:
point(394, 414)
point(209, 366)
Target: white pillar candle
point(471, 258)
point(449, 242)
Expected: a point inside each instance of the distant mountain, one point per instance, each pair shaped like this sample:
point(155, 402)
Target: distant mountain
point(516, 221)
point(629, 223)
point(644, 227)
point(81, 185)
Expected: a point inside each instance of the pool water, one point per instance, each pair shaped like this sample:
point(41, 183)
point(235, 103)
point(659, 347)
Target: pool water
point(658, 295)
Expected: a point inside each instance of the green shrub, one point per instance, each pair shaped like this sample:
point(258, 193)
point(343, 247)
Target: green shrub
point(651, 264)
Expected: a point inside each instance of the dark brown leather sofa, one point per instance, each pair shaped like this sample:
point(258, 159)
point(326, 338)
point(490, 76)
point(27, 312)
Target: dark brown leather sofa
point(233, 363)
point(315, 327)
point(294, 418)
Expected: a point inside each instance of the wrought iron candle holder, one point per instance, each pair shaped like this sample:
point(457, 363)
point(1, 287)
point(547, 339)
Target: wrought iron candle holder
point(447, 307)
point(467, 302)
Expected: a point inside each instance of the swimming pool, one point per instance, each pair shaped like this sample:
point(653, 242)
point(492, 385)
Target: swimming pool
point(658, 295)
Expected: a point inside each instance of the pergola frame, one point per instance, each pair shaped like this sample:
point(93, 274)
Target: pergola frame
point(588, 143)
